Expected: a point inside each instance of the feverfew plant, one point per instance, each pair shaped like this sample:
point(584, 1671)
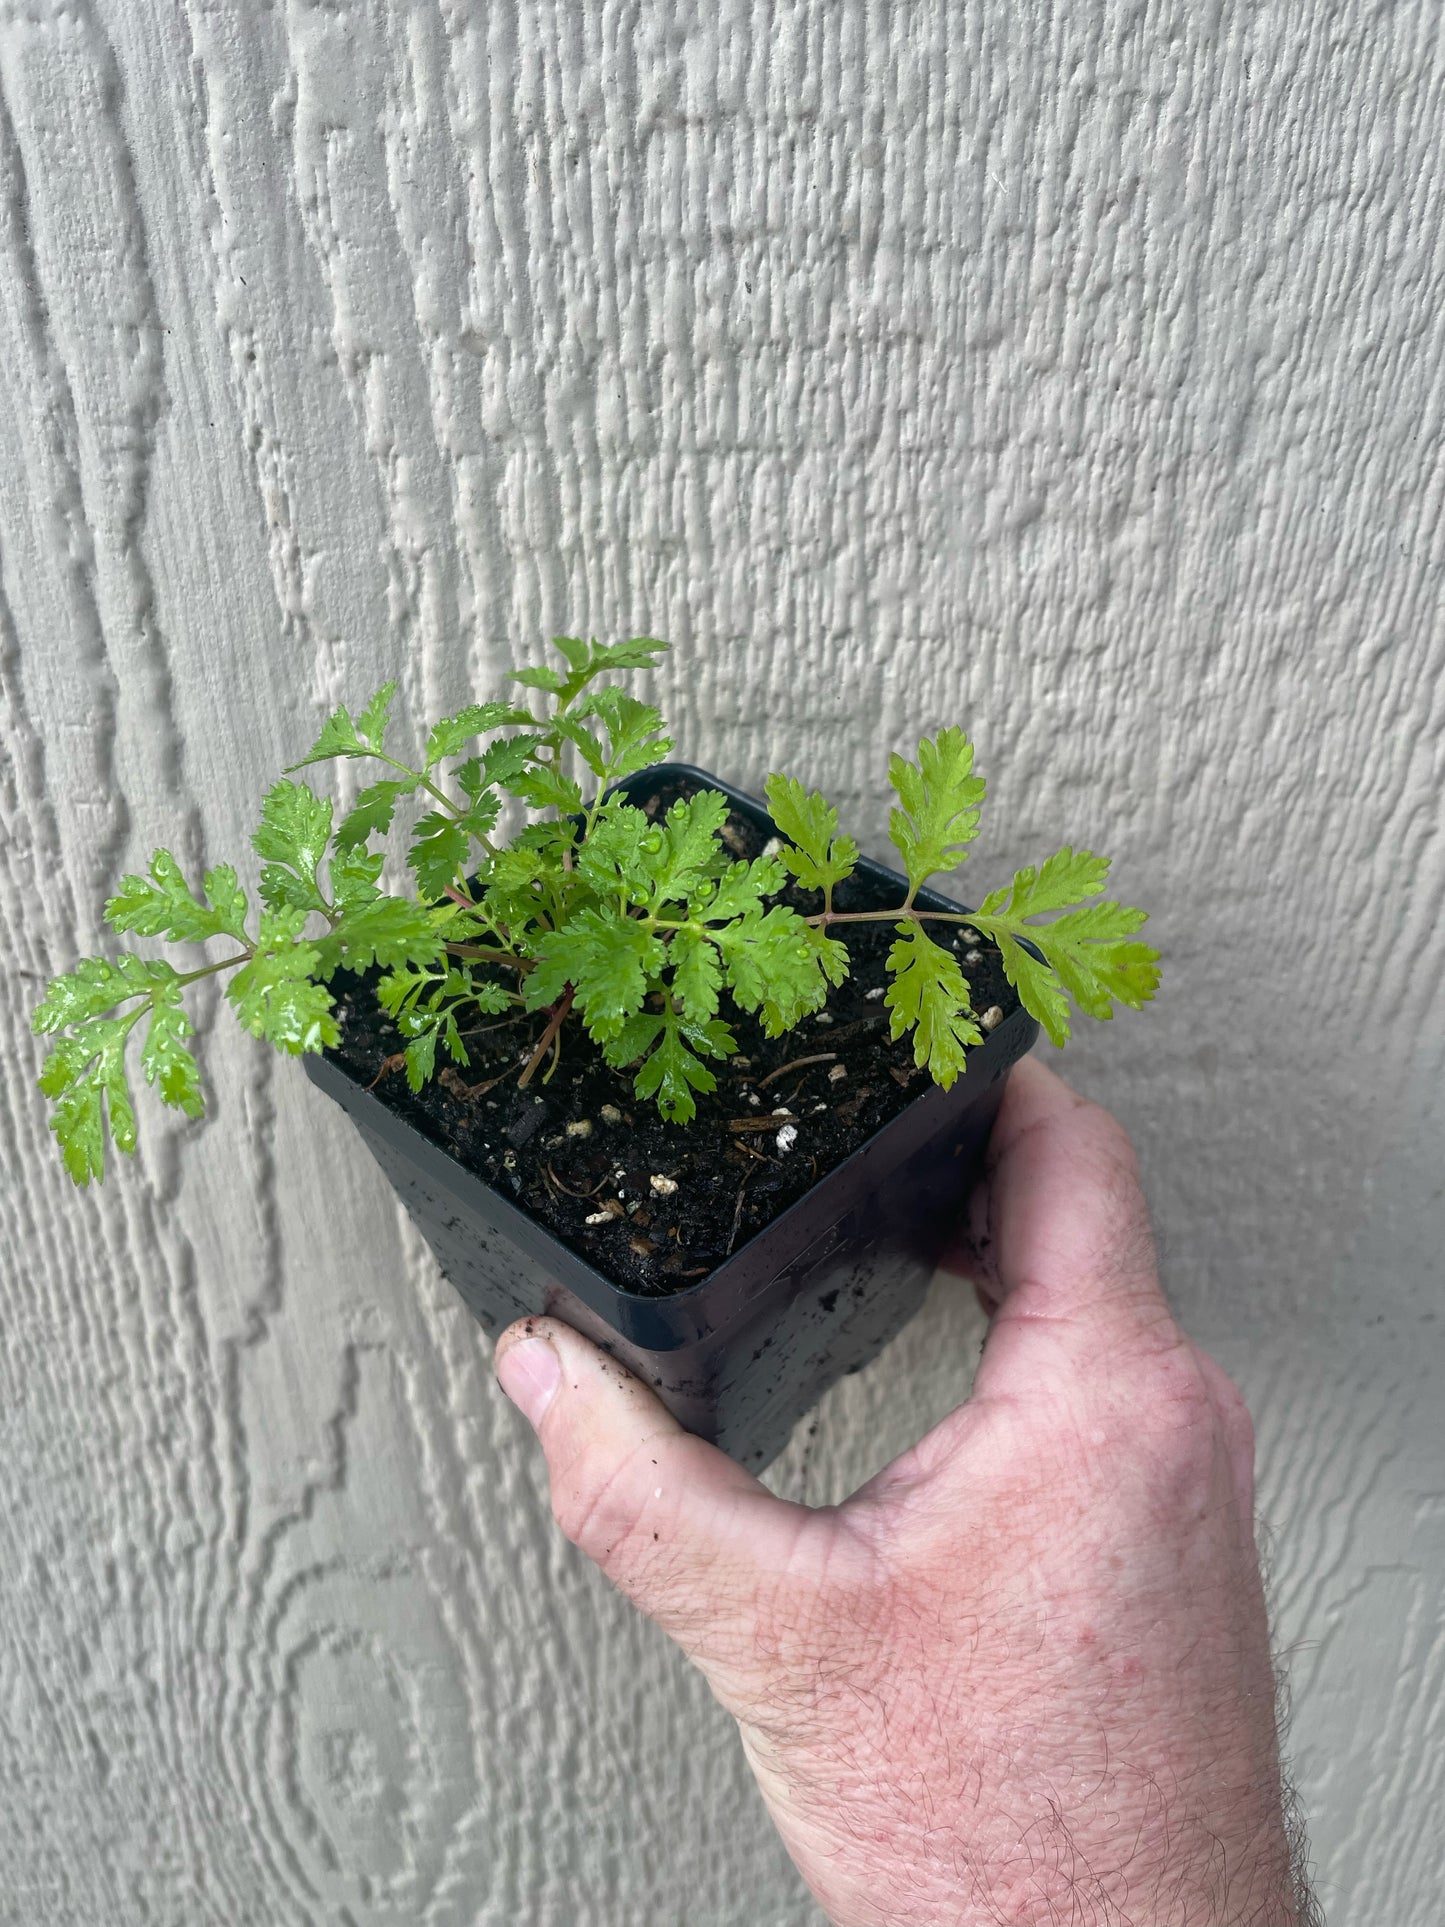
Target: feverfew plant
point(591, 914)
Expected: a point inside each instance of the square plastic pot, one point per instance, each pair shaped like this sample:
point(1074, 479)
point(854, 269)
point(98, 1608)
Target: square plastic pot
point(743, 1354)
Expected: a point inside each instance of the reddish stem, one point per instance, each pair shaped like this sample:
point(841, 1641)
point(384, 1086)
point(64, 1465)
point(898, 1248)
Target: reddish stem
point(548, 1037)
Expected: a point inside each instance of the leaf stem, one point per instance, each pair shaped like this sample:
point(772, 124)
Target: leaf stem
point(439, 795)
point(478, 953)
point(548, 1037)
point(882, 916)
point(210, 970)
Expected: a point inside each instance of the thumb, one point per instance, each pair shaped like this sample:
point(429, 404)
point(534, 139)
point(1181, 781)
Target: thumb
point(676, 1525)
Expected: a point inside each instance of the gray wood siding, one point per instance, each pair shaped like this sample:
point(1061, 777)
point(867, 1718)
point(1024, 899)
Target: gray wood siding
point(1076, 373)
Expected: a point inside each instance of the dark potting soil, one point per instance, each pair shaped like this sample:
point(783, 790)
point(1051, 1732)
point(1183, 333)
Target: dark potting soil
point(656, 1206)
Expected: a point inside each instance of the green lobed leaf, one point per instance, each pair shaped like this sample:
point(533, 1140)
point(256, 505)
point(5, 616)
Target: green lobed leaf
point(928, 995)
point(696, 974)
point(940, 796)
point(276, 995)
point(449, 735)
point(498, 767)
point(608, 959)
point(371, 727)
point(780, 966)
point(85, 1077)
point(1086, 952)
point(389, 931)
point(511, 896)
point(815, 854)
point(683, 851)
point(372, 812)
point(1063, 880)
point(588, 745)
point(612, 861)
point(585, 661)
point(674, 1070)
point(291, 839)
point(737, 892)
point(79, 1126)
point(421, 1057)
point(161, 904)
point(631, 1040)
point(441, 845)
point(166, 1060)
point(542, 787)
point(548, 679)
point(338, 738)
point(634, 731)
point(96, 985)
point(355, 874)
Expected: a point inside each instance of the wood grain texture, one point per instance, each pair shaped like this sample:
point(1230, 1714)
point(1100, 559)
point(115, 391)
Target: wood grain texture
point(1078, 372)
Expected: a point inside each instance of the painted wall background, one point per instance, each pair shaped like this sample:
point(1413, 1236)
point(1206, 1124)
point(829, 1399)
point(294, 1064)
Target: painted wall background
point(1074, 370)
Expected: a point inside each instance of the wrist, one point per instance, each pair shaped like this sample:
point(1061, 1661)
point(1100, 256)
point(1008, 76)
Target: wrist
point(1096, 1843)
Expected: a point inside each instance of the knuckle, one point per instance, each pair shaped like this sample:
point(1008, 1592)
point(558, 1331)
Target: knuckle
point(594, 1506)
point(1180, 1430)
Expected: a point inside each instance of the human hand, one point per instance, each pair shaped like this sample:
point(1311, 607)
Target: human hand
point(1022, 1675)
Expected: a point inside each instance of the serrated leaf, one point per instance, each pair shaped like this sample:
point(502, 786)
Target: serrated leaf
point(683, 850)
point(79, 1126)
point(547, 679)
point(372, 812)
point(1065, 879)
point(227, 900)
point(588, 746)
point(631, 1039)
point(542, 787)
point(338, 738)
point(928, 995)
point(940, 797)
point(585, 661)
point(161, 904)
point(635, 734)
point(371, 726)
point(85, 1076)
point(389, 931)
point(671, 1074)
point(439, 849)
point(452, 732)
point(354, 876)
point(574, 650)
point(696, 975)
point(421, 1057)
point(611, 861)
point(498, 767)
point(775, 966)
point(815, 853)
point(738, 891)
point(510, 896)
point(96, 985)
point(276, 996)
point(639, 652)
point(166, 1061)
point(1085, 952)
point(1038, 987)
point(608, 960)
point(292, 835)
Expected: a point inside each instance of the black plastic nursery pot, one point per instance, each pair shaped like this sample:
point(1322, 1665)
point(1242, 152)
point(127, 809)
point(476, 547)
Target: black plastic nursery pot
point(742, 1354)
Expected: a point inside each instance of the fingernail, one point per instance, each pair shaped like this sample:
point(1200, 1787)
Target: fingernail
point(529, 1372)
